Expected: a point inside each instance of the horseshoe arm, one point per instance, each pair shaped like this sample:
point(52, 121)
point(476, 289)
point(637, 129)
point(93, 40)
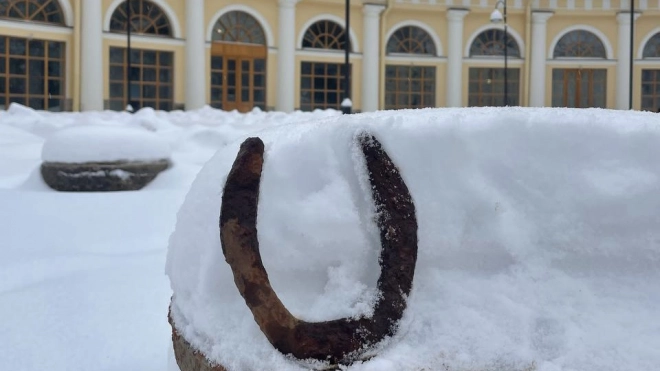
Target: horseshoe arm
point(341, 340)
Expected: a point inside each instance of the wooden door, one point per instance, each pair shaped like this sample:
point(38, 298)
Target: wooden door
point(579, 88)
point(238, 77)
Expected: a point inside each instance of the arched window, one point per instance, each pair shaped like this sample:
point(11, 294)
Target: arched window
point(325, 35)
point(580, 44)
point(239, 27)
point(146, 18)
point(652, 47)
point(411, 40)
point(322, 85)
point(149, 81)
point(487, 84)
point(48, 11)
point(491, 43)
point(410, 86)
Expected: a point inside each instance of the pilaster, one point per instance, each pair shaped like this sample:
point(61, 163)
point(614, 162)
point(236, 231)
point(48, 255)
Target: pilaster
point(370, 66)
point(286, 56)
point(538, 58)
point(91, 66)
point(196, 88)
point(454, 78)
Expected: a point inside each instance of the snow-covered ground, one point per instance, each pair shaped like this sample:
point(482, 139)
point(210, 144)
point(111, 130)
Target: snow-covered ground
point(539, 240)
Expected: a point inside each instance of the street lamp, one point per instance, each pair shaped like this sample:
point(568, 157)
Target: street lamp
point(129, 107)
point(632, 42)
point(500, 17)
point(346, 105)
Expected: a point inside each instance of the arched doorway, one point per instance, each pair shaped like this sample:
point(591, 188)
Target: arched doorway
point(486, 84)
point(579, 87)
point(238, 63)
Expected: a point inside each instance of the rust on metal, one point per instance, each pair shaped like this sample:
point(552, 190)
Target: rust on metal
point(340, 341)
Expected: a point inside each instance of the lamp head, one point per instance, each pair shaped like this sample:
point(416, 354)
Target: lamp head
point(496, 16)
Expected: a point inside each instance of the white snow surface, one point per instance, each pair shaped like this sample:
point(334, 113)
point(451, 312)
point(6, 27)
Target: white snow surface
point(539, 240)
point(97, 143)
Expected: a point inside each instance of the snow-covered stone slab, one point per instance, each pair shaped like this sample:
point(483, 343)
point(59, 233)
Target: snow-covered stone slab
point(102, 158)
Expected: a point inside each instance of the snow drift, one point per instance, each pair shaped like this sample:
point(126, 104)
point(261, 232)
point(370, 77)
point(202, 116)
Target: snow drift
point(539, 240)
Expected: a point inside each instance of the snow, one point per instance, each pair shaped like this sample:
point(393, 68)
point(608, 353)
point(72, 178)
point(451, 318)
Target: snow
point(96, 143)
point(539, 240)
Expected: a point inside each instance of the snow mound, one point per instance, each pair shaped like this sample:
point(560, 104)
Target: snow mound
point(539, 240)
point(103, 143)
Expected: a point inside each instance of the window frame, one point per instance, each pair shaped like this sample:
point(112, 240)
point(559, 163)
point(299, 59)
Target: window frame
point(7, 6)
point(494, 97)
point(117, 79)
point(52, 74)
point(313, 77)
point(144, 19)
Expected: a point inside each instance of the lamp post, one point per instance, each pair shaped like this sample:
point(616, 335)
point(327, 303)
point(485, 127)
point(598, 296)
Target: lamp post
point(500, 17)
point(632, 42)
point(346, 104)
point(129, 107)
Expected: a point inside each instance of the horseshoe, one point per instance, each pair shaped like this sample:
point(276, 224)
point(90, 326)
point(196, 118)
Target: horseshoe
point(339, 341)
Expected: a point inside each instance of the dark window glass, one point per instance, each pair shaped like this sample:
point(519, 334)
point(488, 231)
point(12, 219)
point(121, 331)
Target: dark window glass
point(580, 44)
point(55, 50)
point(652, 47)
point(17, 46)
point(17, 66)
point(149, 57)
point(54, 68)
point(146, 18)
point(320, 89)
point(149, 74)
point(48, 11)
point(26, 69)
point(17, 85)
point(486, 87)
point(216, 63)
point(36, 87)
point(36, 48)
point(37, 69)
point(37, 103)
point(651, 90)
point(404, 86)
point(491, 42)
point(259, 65)
point(151, 81)
point(325, 35)
point(238, 26)
point(411, 40)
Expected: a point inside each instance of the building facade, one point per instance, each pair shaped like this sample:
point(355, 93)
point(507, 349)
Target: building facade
point(289, 54)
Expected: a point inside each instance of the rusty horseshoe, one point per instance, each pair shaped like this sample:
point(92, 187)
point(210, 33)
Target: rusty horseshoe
point(339, 341)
